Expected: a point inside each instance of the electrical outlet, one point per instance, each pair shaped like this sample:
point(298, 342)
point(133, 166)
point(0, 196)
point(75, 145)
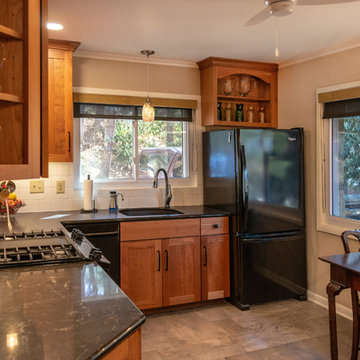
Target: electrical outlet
point(36, 186)
point(60, 186)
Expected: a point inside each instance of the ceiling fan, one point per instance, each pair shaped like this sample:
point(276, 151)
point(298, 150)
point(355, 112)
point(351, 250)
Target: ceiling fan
point(286, 7)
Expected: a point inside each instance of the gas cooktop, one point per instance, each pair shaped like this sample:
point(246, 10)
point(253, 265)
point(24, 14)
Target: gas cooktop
point(45, 247)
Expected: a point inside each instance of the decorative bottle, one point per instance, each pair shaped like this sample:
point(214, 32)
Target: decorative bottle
point(219, 115)
point(261, 115)
point(240, 112)
point(228, 112)
point(250, 114)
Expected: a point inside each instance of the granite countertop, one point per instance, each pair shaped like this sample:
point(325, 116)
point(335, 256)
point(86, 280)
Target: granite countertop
point(51, 220)
point(67, 311)
point(56, 312)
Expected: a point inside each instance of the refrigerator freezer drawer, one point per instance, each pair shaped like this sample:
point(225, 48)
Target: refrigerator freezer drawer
point(273, 268)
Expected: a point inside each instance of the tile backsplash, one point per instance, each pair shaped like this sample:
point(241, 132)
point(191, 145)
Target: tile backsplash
point(72, 199)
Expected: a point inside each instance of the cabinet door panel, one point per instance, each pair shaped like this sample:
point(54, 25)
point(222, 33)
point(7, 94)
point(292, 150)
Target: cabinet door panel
point(141, 272)
point(215, 267)
point(60, 105)
point(181, 258)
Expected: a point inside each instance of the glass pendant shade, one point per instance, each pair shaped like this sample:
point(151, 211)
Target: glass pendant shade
point(148, 111)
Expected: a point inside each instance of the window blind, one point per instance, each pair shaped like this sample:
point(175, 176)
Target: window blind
point(109, 111)
point(340, 109)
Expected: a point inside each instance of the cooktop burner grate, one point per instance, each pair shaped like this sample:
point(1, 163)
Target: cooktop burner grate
point(32, 235)
point(33, 248)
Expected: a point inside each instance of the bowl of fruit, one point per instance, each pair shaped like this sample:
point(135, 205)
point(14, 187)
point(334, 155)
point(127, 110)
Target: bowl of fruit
point(14, 205)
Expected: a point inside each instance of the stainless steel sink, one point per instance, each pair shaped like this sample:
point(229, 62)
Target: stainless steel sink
point(149, 212)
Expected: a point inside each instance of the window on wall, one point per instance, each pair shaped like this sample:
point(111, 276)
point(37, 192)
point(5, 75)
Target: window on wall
point(345, 167)
point(339, 166)
point(115, 144)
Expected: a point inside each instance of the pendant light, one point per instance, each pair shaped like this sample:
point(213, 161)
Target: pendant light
point(148, 111)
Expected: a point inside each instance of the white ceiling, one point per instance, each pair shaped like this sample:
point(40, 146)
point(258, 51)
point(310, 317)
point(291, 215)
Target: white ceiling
point(195, 29)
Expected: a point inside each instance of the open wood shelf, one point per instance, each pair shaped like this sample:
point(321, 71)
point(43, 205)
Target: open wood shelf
point(252, 85)
point(10, 98)
point(242, 124)
point(8, 33)
point(241, 98)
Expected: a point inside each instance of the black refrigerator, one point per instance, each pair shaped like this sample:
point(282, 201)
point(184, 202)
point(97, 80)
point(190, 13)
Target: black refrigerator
point(258, 176)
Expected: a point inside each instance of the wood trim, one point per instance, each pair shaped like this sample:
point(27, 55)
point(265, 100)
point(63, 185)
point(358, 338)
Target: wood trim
point(216, 61)
point(214, 225)
point(133, 100)
point(65, 45)
point(159, 229)
point(44, 91)
point(338, 95)
point(128, 349)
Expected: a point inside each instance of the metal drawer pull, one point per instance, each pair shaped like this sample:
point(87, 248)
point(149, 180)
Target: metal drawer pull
point(102, 233)
point(166, 260)
point(205, 255)
point(159, 259)
point(216, 226)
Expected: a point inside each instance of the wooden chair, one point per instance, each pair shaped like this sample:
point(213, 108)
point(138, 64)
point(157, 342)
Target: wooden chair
point(354, 297)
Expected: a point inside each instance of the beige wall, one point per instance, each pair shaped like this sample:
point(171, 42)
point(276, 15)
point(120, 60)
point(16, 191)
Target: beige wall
point(297, 107)
point(122, 75)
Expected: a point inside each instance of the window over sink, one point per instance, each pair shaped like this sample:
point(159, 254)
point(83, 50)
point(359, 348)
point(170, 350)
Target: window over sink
point(116, 145)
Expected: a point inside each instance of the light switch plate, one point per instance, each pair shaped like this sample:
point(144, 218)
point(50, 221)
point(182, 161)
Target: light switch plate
point(60, 186)
point(36, 186)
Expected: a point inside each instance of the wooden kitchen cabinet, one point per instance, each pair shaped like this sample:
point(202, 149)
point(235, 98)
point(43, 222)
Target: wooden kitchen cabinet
point(128, 349)
point(181, 271)
point(172, 262)
point(141, 272)
point(157, 268)
point(61, 100)
point(215, 268)
point(227, 83)
point(23, 84)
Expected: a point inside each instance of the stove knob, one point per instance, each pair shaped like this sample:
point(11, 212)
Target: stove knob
point(95, 254)
point(77, 236)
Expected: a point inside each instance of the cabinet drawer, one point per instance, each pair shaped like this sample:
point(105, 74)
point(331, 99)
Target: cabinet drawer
point(159, 229)
point(214, 225)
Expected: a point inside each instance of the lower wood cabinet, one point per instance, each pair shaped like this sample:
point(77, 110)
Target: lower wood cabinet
point(158, 269)
point(215, 267)
point(181, 271)
point(128, 349)
point(141, 272)
point(156, 273)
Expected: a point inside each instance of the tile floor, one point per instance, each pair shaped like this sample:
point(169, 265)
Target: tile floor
point(281, 330)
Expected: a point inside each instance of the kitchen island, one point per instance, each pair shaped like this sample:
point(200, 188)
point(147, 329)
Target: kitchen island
point(67, 311)
point(71, 310)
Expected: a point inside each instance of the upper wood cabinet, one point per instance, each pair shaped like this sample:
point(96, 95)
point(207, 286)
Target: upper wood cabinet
point(229, 87)
point(61, 100)
point(23, 80)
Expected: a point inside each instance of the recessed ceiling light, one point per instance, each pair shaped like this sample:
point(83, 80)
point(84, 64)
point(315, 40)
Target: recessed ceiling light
point(54, 26)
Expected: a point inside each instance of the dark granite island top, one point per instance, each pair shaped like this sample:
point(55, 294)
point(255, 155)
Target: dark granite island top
point(69, 311)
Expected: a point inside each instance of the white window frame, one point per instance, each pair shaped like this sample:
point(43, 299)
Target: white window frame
point(190, 147)
point(326, 222)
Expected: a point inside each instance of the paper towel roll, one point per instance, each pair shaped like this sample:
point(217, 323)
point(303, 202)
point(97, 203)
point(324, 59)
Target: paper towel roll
point(88, 194)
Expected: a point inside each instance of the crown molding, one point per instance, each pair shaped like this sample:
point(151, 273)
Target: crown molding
point(134, 59)
point(320, 54)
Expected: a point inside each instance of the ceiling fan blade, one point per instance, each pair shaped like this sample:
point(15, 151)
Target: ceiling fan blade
point(258, 18)
point(323, 2)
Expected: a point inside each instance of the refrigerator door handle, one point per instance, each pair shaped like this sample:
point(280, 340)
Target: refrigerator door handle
point(245, 186)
